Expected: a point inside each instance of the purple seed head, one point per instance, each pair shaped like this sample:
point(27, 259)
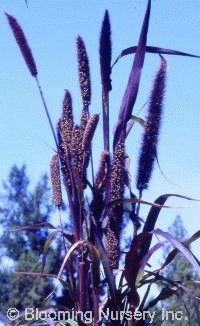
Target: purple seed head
point(151, 134)
point(23, 44)
point(105, 51)
point(84, 72)
point(117, 180)
point(55, 180)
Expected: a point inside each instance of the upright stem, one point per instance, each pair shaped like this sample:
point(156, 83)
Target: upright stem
point(47, 112)
point(82, 281)
point(62, 229)
point(95, 297)
point(137, 213)
point(105, 103)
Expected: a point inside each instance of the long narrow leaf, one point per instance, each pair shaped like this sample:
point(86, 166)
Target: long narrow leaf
point(153, 216)
point(154, 49)
point(164, 294)
point(145, 259)
point(73, 247)
point(34, 227)
point(46, 248)
point(131, 91)
point(186, 243)
point(54, 276)
point(188, 255)
point(193, 238)
point(156, 204)
point(169, 287)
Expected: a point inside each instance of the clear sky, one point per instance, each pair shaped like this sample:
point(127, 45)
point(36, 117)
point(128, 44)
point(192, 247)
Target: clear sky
point(51, 28)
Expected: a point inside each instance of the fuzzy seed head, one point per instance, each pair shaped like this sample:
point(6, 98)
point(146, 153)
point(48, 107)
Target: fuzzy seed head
point(23, 44)
point(84, 72)
point(150, 139)
point(55, 180)
point(103, 172)
point(90, 130)
point(84, 118)
point(88, 134)
point(102, 177)
point(64, 158)
point(76, 149)
point(112, 248)
point(118, 172)
point(116, 211)
point(105, 51)
point(67, 105)
point(66, 122)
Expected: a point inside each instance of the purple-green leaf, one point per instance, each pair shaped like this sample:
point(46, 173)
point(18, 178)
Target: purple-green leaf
point(154, 50)
point(34, 227)
point(131, 91)
point(146, 258)
point(186, 243)
point(46, 248)
point(153, 216)
point(185, 251)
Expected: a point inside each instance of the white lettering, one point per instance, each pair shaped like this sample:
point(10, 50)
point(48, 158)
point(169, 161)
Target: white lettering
point(149, 315)
point(128, 315)
point(88, 317)
point(29, 312)
point(137, 315)
point(52, 313)
point(171, 315)
point(103, 314)
point(178, 317)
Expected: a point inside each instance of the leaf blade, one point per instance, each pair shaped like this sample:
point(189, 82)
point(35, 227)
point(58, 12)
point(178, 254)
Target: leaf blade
point(154, 49)
point(177, 244)
point(131, 91)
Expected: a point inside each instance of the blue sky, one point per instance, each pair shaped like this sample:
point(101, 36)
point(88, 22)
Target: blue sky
point(51, 28)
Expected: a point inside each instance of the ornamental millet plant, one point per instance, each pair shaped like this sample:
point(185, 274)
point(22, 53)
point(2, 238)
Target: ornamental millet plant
point(92, 254)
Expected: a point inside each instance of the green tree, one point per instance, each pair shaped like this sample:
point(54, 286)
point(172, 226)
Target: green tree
point(19, 207)
point(181, 271)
